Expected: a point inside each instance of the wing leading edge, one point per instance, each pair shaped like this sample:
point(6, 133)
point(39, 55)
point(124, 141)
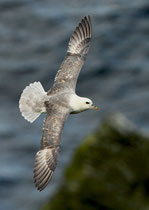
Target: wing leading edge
point(46, 157)
point(78, 47)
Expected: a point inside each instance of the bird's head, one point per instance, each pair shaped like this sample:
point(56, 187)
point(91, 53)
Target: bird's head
point(80, 104)
point(87, 103)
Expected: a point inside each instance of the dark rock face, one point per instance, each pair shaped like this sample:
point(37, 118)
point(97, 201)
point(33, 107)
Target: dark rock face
point(110, 171)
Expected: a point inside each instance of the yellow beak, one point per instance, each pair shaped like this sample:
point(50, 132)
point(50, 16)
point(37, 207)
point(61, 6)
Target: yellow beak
point(94, 107)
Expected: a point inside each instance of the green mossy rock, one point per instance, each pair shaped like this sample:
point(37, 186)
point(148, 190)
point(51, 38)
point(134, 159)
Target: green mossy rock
point(110, 171)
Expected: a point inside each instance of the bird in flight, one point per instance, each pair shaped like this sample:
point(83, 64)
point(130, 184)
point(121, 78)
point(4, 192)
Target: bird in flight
point(60, 101)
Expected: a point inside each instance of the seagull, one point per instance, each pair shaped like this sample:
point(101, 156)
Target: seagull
point(60, 101)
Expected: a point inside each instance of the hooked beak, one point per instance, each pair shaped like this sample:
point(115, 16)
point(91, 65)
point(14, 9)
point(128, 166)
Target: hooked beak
point(94, 107)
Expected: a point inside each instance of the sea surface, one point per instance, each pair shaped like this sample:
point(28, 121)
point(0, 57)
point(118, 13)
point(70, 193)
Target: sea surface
point(34, 35)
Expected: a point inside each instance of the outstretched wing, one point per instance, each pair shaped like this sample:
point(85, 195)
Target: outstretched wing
point(78, 47)
point(46, 157)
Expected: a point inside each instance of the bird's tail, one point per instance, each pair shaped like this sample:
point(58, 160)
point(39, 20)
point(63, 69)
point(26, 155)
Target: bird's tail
point(32, 100)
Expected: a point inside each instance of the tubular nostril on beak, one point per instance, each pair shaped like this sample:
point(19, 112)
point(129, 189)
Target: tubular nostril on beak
point(94, 107)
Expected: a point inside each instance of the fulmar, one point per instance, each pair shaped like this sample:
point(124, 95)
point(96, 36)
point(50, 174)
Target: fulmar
point(60, 101)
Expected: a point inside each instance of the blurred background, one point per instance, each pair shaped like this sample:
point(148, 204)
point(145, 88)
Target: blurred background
point(34, 35)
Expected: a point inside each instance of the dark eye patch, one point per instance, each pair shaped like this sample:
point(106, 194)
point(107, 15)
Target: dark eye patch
point(87, 102)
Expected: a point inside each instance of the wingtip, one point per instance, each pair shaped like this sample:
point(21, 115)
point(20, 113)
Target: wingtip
point(87, 18)
point(80, 37)
point(41, 185)
point(44, 166)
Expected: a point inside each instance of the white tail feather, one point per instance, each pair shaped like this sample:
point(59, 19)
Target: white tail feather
point(32, 100)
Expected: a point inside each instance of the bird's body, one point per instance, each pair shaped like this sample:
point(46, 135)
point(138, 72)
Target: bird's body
point(60, 101)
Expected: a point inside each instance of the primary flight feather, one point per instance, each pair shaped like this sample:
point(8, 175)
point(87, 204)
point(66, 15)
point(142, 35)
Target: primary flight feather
point(60, 101)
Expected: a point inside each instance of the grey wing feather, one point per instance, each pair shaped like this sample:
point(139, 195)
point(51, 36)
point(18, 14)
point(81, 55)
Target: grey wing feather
point(46, 157)
point(78, 47)
point(42, 170)
point(80, 39)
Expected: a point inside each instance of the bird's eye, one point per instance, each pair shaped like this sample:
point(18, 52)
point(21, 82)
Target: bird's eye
point(87, 102)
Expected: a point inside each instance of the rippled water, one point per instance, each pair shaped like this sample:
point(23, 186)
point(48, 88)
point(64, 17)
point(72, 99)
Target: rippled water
point(33, 41)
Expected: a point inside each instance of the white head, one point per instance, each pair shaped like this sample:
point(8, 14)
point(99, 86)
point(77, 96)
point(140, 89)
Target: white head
point(80, 104)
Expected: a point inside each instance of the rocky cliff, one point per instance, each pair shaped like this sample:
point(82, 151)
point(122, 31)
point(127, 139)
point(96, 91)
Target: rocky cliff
point(109, 171)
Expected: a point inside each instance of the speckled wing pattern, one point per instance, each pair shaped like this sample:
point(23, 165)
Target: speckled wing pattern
point(46, 157)
point(78, 47)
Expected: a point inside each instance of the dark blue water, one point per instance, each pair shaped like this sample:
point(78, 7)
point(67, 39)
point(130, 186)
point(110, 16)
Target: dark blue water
point(33, 41)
